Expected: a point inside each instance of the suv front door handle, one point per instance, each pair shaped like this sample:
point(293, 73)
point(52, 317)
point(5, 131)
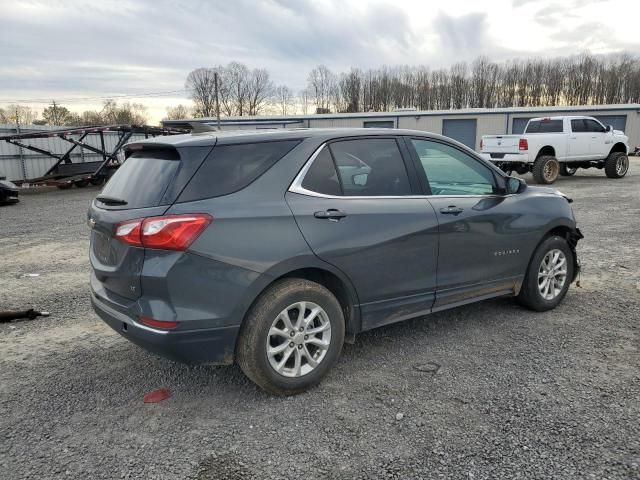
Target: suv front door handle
point(331, 214)
point(451, 210)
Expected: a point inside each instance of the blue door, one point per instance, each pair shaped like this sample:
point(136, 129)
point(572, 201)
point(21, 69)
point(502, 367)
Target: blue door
point(463, 131)
point(618, 122)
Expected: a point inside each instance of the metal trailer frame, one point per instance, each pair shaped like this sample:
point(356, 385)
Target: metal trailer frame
point(64, 173)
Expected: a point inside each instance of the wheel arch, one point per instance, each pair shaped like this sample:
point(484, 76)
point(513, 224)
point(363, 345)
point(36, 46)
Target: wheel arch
point(313, 269)
point(546, 150)
point(619, 147)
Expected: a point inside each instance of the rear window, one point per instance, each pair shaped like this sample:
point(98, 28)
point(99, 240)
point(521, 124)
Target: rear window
point(143, 178)
point(230, 168)
point(544, 126)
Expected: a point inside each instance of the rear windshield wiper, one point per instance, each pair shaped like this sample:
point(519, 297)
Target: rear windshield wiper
point(111, 200)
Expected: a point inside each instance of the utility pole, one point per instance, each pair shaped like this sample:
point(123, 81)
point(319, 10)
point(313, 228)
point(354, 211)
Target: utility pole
point(54, 112)
point(215, 89)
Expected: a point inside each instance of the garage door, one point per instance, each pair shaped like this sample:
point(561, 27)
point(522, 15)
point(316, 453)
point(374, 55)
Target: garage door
point(463, 131)
point(618, 122)
point(519, 124)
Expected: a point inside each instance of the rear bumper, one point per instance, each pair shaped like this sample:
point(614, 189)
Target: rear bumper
point(213, 345)
point(507, 158)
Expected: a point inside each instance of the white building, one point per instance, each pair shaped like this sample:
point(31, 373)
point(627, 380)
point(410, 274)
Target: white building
point(466, 126)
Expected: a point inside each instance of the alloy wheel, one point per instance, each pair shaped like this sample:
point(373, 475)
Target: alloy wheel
point(552, 274)
point(622, 165)
point(298, 339)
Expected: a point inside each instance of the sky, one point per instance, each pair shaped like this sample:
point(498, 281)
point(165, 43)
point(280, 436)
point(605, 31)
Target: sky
point(79, 52)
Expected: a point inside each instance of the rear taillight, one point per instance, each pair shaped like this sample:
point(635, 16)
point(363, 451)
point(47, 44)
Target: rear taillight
point(523, 144)
point(170, 232)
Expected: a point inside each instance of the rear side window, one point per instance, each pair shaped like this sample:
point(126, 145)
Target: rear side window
point(544, 126)
point(230, 168)
point(322, 176)
point(371, 167)
point(143, 178)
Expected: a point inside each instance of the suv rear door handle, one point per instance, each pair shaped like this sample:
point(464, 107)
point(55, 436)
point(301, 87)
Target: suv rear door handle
point(451, 210)
point(331, 214)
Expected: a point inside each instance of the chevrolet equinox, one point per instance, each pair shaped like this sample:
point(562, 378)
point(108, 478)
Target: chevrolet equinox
point(271, 249)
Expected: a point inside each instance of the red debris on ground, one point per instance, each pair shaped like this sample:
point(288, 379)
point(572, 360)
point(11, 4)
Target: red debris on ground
point(156, 396)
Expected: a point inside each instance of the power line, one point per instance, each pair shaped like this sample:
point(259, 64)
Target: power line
point(102, 97)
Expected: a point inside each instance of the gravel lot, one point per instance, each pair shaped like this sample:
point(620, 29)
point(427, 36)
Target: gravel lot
point(517, 394)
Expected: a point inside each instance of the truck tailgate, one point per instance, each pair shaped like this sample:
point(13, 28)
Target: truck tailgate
point(500, 143)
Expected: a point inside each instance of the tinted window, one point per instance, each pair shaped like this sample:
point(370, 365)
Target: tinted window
point(578, 126)
point(593, 126)
point(230, 168)
point(451, 171)
point(371, 167)
point(322, 176)
point(143, 178)
point(544, 126)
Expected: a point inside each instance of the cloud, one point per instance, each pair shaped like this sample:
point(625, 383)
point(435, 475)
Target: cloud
point(86, 48)
point(462, 34)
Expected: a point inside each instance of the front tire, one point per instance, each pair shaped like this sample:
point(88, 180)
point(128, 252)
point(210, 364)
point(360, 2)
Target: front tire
point(548, 276)
point(291, 337)
point(545, 169)
point(616, 165)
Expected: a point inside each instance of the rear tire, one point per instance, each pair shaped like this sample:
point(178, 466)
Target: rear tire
point(545, 169)
point(542, 271)
point(81, 183)
point(616, 165)
point(273, 325)
point(567, 171)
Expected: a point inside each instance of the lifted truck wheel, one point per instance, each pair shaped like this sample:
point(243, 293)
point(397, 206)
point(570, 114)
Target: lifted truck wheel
point(616, 165)
point(567, 171)
point(545, 169)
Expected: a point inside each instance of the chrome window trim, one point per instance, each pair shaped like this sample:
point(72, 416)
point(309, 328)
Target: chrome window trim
point(296, 187)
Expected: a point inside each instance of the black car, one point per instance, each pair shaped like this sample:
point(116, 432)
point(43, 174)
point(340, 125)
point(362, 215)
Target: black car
point(270, 249)
point(8, 192)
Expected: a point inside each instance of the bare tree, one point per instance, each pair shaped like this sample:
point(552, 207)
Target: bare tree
point(56, 115)
point(305, 99)
point(179, 112)
point(322, 82)
point(201, 85)
point(259, 90)
point(283, 100)
point(125, 113)
point(20, 114)
point(350, 86)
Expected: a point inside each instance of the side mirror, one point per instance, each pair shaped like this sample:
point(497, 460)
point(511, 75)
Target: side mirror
point(609, 128)
point(515, 185)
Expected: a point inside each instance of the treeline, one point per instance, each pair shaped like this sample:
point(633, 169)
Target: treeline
point(577, 80)
point(112, 113)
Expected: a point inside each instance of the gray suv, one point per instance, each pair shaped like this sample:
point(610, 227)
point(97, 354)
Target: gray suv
point(273, 248)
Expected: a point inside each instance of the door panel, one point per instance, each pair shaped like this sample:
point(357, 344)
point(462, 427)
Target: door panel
point(387, 246)
point(483, 249)
point(481, 232)
point(598, 149)
point(579, 140)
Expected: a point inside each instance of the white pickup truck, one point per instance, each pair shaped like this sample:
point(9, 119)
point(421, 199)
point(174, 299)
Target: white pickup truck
point(555, 146)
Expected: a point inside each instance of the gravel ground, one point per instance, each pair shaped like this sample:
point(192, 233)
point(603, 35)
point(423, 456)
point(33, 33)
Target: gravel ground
point(484, 391)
